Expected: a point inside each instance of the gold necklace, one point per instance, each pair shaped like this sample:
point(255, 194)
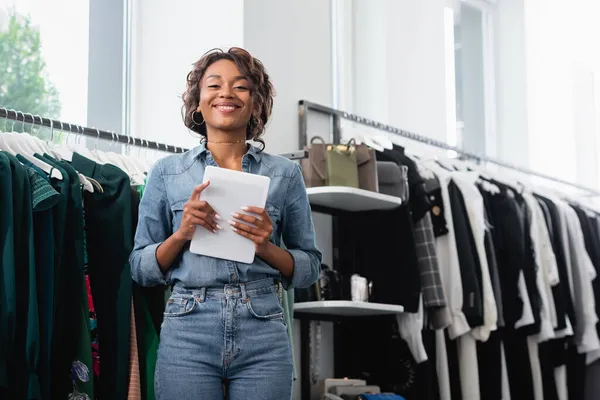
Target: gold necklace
point(231, 142)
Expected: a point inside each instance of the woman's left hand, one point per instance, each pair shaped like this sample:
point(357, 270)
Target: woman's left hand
point(260, 233)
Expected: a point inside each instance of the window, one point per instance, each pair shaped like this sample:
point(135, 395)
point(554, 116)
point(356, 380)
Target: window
point(469, 75)
point(44, 58)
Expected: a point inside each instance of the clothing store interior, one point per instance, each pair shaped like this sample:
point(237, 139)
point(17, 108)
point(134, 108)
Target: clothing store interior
point(449, 153)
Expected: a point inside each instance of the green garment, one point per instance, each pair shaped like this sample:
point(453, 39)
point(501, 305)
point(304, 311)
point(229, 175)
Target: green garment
point(23, 376)
point(44, 197)
point(109, 234)
point(147, 340)
point(81, 341)
point(288, 307)
point(31, 165)
point(62, 339)
point(7, 271)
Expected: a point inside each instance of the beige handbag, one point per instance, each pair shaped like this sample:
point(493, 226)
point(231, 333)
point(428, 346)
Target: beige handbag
point(330, 164)
point(314, 167)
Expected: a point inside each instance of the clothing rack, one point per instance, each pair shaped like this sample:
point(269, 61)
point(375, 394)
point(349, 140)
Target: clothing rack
point(336, 115)
point(21, 116)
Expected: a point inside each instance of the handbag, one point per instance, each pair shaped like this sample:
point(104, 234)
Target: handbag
point(314, 168)
point(342, 168)
point(367, 168)
point(393, 179)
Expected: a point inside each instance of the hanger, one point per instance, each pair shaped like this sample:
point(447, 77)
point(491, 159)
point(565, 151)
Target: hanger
point(63, 150)
point(28, 155)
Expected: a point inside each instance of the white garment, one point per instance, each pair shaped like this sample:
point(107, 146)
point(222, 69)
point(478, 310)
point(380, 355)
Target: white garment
point(410, 326)
point(583, 272)
point(469, 367)
point(448, 257)
point(539, 233)
point(527, 315)
point(536, 368)
point(465, 181)
point(560, 377)
point(441, 365)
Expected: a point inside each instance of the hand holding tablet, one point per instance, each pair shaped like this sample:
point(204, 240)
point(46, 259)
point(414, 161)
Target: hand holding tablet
point(225, 196)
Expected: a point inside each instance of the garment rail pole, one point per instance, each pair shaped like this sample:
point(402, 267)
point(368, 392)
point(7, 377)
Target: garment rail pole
point(306, 106)
point(107, 135)
point(86, 131)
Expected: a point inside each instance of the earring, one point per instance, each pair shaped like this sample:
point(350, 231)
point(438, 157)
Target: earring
point(194, 119)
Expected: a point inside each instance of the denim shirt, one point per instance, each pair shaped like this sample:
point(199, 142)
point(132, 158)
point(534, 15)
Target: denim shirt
point(168, 188)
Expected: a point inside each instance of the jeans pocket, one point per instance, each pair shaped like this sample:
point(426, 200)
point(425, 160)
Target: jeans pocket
point(265, 306)
point(178, 306)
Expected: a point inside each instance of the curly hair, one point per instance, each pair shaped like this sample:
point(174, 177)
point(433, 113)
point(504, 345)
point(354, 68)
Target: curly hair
point(262, 90)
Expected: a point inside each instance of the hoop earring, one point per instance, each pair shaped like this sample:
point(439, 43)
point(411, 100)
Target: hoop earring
point(194, 119)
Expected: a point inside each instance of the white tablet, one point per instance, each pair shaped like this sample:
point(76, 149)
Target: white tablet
point(227, 193)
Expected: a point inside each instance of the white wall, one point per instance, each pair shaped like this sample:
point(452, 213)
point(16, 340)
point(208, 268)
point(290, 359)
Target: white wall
point(293, 40)
point(399, 75)
point(511, 83)
point(168, 37)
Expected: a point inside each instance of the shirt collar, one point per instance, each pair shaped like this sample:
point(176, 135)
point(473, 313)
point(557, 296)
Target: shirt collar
point(201, 150)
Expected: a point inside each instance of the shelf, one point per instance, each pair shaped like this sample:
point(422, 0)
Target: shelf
point(351, 199)
point(345, 308)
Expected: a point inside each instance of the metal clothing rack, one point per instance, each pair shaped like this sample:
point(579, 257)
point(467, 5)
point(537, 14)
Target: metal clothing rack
point(107, 135)
point(336, 115)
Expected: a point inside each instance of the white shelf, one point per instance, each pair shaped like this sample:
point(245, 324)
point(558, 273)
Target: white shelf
point(347, 308)
point(351, 199)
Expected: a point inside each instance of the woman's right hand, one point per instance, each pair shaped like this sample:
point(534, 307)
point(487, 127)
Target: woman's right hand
point(197, 212)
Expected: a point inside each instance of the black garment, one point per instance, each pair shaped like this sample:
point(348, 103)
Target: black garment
point(109, 235)
point(453, 367)
point(575, 373)
point(490, 252)
point(529, 267)
point(547, 366)
point(508, 242)
point(589, 227)
point(380, 246)
point(366, 350)
point(518, 365)
point(489, 361)
point(563, 300)
point(434, 194)
point(470, 265)
point(418, 201)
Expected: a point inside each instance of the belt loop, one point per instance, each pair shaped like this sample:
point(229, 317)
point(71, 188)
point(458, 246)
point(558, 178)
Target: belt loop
point(201, 295)
point(244, 292)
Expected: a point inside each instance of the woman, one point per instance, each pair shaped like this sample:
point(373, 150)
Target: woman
point(223, 325)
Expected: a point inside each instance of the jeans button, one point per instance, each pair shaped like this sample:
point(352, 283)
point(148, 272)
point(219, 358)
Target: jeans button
point(228, 291)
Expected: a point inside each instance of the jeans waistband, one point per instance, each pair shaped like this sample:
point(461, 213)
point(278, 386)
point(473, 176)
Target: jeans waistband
point(233, 290)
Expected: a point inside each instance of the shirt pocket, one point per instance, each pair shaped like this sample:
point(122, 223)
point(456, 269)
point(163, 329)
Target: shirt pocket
point(275, 216)
point(177, 211)
point(180, 305)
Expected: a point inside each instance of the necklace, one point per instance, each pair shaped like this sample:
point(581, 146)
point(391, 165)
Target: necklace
point(234, 141)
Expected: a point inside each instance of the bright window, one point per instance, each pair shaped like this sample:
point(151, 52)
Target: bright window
point(44, 57)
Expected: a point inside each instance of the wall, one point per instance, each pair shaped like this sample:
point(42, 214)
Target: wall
point(293, 40)
point(399, 75)
point(167, 38)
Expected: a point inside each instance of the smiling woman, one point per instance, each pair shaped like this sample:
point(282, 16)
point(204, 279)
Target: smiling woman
point(225, 315)
point(221, 89)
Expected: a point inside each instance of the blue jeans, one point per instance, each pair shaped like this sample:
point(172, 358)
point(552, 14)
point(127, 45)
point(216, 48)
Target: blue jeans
point(234, 334)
